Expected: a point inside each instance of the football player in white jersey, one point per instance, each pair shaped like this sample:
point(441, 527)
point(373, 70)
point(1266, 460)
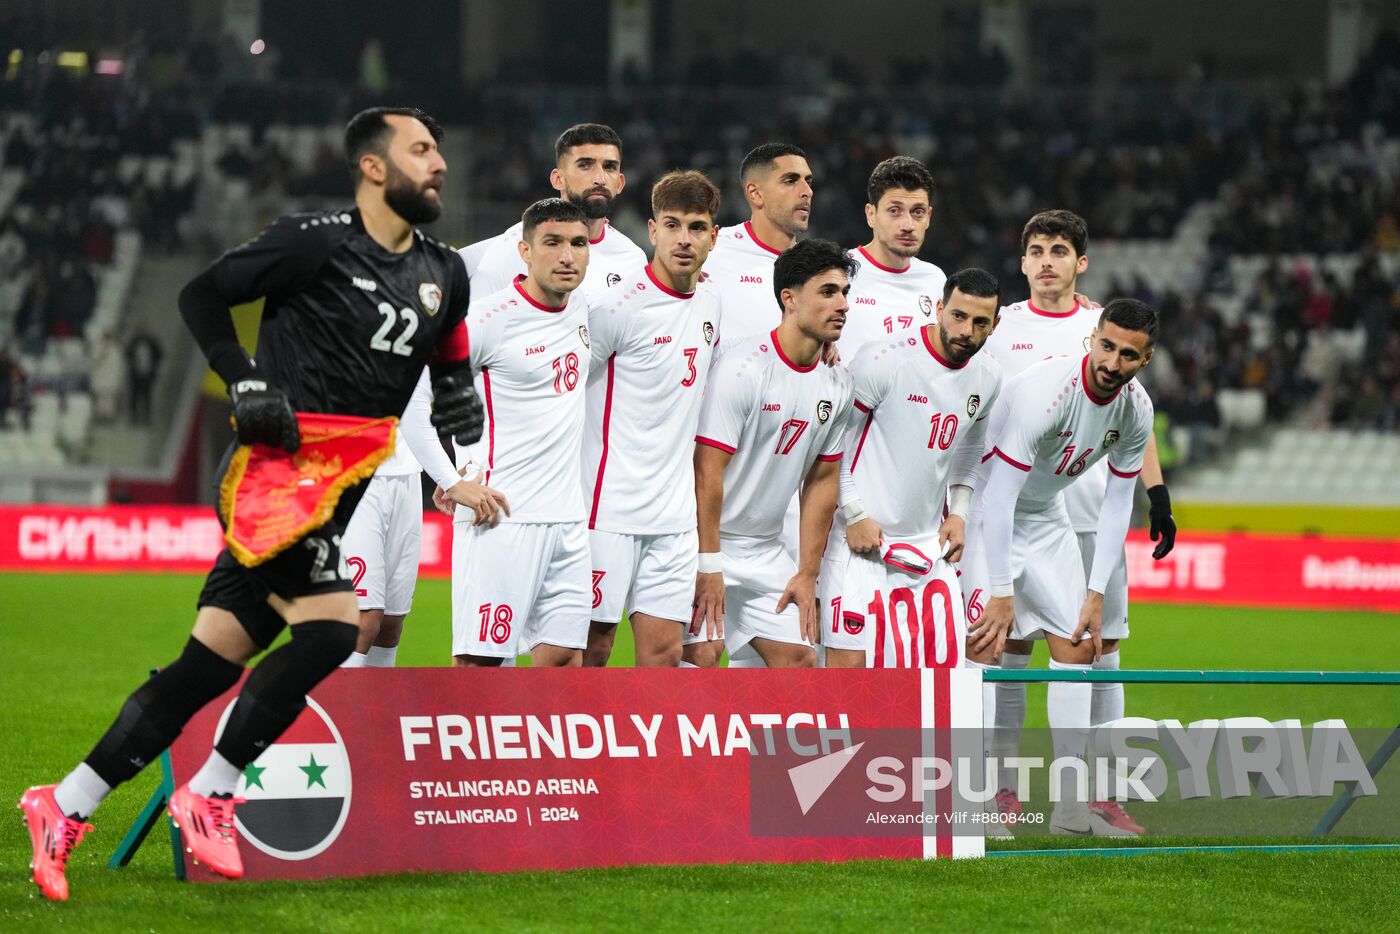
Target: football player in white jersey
point(653, 337)
point(588, 172)
point(1058, 419)
point(383, 539)
point(890, 593)
point(778, 187)
point(524, 583)
point(772, 422)
point(1057, 320)
point(894, 290)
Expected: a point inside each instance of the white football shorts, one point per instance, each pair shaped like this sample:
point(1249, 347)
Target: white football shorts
point(1115, 598)
point(382, 542)
point(651, 574)
point(756, 572)
point(1047, 572)
point(518, 585)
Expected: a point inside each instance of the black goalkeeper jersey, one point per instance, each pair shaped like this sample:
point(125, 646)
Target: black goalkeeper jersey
point(347, 326)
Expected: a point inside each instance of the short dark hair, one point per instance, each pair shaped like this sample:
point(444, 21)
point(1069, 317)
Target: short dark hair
point(761, 157)
point(899, 172)
point(549, 209)
point(1131, 315)
point(368, 131)
point(796, 266)
point(686, 191)
point(1057, 223)
point(586, 134)
point(973, 281)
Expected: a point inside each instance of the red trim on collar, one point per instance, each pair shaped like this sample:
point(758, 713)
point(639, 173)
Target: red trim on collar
point(754, 237)
point(936, 355)
point(880, 266)
point(1084, 381)
point(540, 305)
point(784, 357)
point(1053, 314)
point(592, 242)
point(666, 288)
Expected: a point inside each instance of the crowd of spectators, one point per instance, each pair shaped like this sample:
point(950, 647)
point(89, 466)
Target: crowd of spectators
point(1312, 171)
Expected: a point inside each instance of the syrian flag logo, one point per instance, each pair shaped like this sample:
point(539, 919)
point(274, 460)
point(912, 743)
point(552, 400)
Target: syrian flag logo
point(298, 790)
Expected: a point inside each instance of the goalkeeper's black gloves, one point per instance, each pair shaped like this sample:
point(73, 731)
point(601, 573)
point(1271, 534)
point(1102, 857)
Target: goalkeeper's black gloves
point(456, 409)
point(1159, 511)
point(263, 415)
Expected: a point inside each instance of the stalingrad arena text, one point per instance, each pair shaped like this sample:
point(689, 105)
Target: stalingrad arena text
point(496, 788)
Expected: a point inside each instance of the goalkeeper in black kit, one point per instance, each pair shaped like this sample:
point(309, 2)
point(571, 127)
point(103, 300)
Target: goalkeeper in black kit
point(357, 301)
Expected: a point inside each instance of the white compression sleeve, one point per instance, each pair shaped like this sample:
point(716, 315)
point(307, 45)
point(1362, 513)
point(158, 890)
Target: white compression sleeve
point(1004, 484)
point(1114, 517)
point(417, 431)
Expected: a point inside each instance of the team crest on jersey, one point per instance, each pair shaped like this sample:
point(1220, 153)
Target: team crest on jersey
point(709, 331)
point(431, 297)
point(1088, 344)
point(926, 305)
point(613, 278)
point(583, 334)
point(823, 410)
point(1110, 438)
point(974, 402)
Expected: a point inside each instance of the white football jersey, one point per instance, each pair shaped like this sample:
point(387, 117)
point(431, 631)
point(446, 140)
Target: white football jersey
point(472, 254)
point(1025, 335)
point(886, 301)
point(610, 257)
point(776, 418)
point(1049, 425)
point(741, 268)
point(653, 348)
point(917, 412)
point(402, 462)
point(531, 366)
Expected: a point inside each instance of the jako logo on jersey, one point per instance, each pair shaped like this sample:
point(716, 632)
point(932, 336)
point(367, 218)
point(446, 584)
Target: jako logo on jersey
point(613, 278)
point(758, 279)
point(583, 334)
point(369, 285)
point(664, 339)
point(915, 397)
point(1023, 346)
point(823, 410)
point(864, 300)
point(709, 331)
point(431, 297)
point(772, 406)
point(298, 790)
point(531, 351)
point(974, 402)
point(926, 305)
point(1110, 438)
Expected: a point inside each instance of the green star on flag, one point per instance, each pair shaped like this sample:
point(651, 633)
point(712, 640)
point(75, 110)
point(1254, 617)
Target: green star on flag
point(313, 772)
point(252, 775)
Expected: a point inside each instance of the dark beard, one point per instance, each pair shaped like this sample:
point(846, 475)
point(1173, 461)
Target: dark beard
point(954, 354)
point(595, 208)
point(409, 201)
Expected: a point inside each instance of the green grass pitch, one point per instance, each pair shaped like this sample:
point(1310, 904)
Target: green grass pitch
point(72, 647)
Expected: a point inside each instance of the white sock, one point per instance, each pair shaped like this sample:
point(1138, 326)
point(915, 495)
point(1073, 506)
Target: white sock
point(1108, 698)
point(989, 709)
point(355, 660)
point(1009, 712)
point(1068, 704)
point(686, 664)
point(80, 792)
point(381, 656)
point(217, 776)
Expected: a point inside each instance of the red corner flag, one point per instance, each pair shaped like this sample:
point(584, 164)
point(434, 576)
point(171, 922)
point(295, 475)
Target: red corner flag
point(270, 499)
